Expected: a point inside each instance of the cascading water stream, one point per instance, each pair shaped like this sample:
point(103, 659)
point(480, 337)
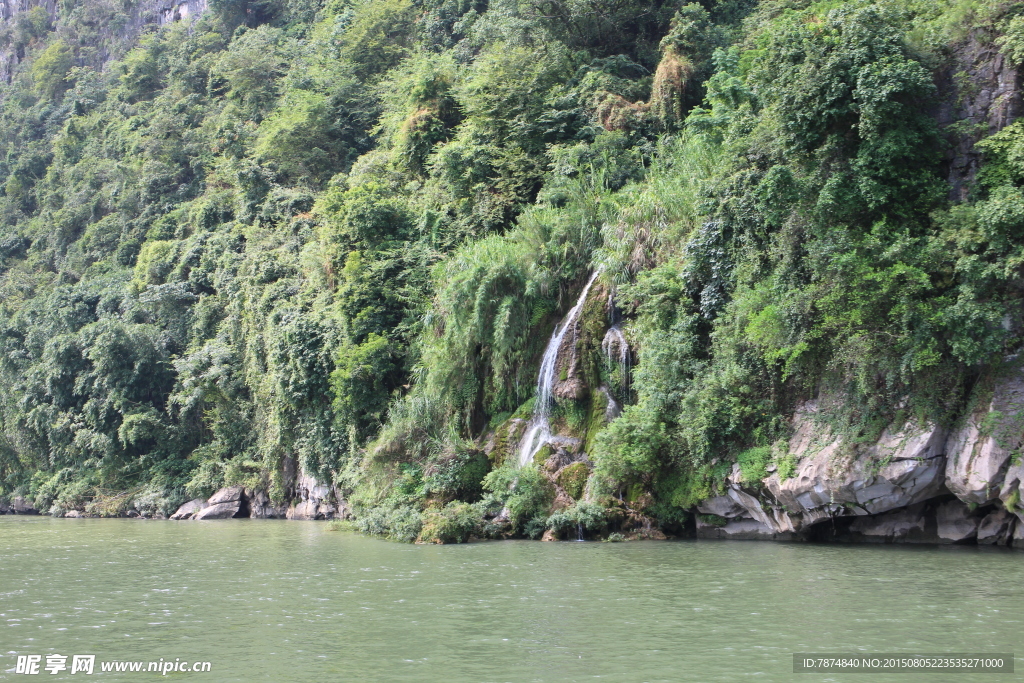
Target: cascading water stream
point(614, 343)
point(538, 431)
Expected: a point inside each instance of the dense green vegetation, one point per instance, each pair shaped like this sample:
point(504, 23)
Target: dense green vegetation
point(337, 237)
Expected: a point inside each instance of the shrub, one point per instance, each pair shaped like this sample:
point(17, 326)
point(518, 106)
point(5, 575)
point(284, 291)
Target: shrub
point(754, 463)
point(402, 523)
point(525, 492)
point(581, 517)
point(458, 475)
point(454, 523)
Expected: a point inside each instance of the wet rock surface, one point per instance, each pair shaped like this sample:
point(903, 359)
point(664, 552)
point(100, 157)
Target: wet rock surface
point(314, 500)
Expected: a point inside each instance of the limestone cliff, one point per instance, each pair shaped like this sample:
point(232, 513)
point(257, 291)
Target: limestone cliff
point(114, 27)
point(980, 94)
point(916, 483)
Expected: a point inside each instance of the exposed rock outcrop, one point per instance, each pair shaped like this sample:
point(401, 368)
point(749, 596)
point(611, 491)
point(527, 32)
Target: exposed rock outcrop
point(119, 27)
point(914, 484)
point(905, 466)
point(955, 523)
point(16, 506)
point(983, 462)
point(262, 507)
point(226, 503)
point(980, 93)
point(907, 525)
point(313, 500)
point(219, 511)
point(996, 528)
point(189, 509)
point(741, 530)
point(228, 494)
point(310, 500)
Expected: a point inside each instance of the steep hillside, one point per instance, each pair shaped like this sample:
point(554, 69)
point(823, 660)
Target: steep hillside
point(455, 268)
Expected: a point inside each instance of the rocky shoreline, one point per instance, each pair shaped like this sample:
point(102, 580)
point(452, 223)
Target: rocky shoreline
point(915, 484)
point(312, 501)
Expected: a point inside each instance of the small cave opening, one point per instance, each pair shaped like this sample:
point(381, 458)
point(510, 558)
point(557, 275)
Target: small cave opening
point(243, 507)
point(828, 530)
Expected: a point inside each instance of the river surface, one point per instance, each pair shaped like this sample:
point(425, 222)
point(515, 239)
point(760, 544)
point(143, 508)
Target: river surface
point(294, 601)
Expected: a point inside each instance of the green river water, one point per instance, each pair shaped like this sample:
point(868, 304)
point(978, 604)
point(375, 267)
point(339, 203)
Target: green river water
point(294, 601)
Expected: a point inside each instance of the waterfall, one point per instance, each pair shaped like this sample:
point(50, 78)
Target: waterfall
point(614, 341)
point(615, 344)
point(613, 409)
point(538, 431)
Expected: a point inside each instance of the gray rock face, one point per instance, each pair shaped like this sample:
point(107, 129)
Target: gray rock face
point(306, 509)
point(219, 511)
point(980, 465)
point(228, 494)
point(955, 523)
point(1017, 540)
point(261, 507)
point(189, 509)
point(898, 526)
point(996, 528)
point(946, 520)
point(314, 500)
point(138, 15)
point(228, 502)
point(20, 506)
point(990, 101)
point(723, 506)
point(896, 489)
point(905, 466)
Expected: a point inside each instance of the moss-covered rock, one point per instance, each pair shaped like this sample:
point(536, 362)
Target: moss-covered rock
point(573, 479)
point(542, 455)
point(596, 418)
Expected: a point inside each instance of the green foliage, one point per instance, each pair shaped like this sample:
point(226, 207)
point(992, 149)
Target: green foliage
point(454, 523)
point(360, 382)
point(582, 518)
point(378, 35)
point(458, 475)
point(334, 240)
point(50, 69)
point(525, 492)
point(820, 259)
point(1012, 40)
point(402, 524)
point(713, 520)
point(786, 465)
point(754, 463)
